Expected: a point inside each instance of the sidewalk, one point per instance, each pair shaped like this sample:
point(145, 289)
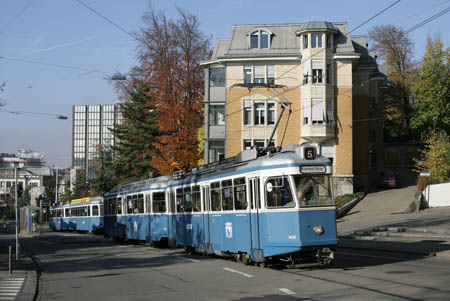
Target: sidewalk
point(22, 283)
point(380, 222)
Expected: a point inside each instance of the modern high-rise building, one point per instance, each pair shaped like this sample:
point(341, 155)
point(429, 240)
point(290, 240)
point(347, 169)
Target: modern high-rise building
point(91, 128)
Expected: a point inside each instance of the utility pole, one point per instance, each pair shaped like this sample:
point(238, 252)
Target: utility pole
point(17, 215)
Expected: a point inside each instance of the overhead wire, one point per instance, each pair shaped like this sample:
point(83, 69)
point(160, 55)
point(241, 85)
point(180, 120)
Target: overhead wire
point(107, 19)
point(439, 14)
point(15, 17)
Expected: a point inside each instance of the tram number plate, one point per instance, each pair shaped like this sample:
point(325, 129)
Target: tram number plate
point(310, 153)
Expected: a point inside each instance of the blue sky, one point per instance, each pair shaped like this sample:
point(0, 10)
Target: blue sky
point(63, 32)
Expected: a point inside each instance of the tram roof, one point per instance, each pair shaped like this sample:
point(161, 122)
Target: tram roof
point(252, 159)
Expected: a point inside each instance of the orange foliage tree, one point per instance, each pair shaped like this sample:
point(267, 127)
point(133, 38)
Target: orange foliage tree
point(170, 53)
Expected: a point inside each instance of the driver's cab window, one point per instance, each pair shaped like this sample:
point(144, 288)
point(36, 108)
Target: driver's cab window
point(278, 193)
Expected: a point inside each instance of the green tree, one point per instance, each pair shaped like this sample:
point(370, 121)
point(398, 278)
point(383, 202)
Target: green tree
point(137, 137)
point(435, 157)
point(81, 186)
point(432, 90)
point(394, 48)
point(105, 179)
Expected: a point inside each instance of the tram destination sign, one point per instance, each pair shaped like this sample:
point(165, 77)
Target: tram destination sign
point(313, 169)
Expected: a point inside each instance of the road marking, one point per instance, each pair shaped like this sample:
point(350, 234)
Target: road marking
point(10, 288)
point(374, 256)
point(238, 272)
point(190, 259)
point(287, 291)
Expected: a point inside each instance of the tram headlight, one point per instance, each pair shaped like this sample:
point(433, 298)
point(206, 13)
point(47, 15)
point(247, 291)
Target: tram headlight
point(318, 229)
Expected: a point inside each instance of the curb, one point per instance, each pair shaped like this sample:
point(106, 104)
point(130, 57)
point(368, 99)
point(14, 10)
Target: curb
point(32, 287)
point(341, 212)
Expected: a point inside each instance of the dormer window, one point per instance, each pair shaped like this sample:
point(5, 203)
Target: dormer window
point(316, 40)
point(260, 39)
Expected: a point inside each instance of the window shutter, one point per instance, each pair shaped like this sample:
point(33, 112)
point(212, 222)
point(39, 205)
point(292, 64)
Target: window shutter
point(259, 71)
point(317, 64)
point(317, 110)
point(270, 71)
point(306, 104)
point(306, 67)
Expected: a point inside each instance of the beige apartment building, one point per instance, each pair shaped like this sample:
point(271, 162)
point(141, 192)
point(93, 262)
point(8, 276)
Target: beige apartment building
point(330, 79)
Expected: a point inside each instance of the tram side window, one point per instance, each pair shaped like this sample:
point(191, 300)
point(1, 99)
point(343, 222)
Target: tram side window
point(215, 197)
point(227, 195)
point(87, 211)
point(119, 206)
point(278, 193)
point(240, 200)
point(159, 202)
point(140, 203)
point(196, 199)
point(148, 208)
point(187, 199)
point(67, 212)
point(95, 210)
point(179, 200)
point(129, 205)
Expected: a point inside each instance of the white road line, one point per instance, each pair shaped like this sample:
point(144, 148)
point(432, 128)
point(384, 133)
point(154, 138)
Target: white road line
point(238, 272)
point(287, 291)
point(374, 256)
point(189, 259)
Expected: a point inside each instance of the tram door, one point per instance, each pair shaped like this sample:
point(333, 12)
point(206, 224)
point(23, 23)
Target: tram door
point(171, 219)
point(206, 229)
point(255, 207)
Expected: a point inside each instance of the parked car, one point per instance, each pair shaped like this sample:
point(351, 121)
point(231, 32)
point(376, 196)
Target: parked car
point(388, 179)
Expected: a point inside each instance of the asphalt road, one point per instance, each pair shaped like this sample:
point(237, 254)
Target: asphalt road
point(88, 267)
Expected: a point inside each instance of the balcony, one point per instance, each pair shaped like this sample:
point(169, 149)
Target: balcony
point(318, 132)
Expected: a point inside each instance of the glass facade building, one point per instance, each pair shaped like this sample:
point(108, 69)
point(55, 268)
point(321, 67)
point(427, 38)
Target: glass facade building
point(91, 128)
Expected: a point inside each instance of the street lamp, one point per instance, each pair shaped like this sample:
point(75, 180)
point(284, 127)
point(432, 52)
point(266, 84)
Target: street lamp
point(17, 214)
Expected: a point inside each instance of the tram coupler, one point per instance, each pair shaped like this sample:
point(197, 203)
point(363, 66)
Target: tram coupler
point(325, 256)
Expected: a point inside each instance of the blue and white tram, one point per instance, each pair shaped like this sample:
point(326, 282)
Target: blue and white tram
point(256, 207)
point(80, 215)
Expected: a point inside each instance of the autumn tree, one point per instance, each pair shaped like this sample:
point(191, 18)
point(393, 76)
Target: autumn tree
point(170, 52)
point(394, 48)
point(138, 137)
point(432, 90)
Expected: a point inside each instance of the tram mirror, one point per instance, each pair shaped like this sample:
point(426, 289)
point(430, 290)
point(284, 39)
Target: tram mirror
point(269, 187)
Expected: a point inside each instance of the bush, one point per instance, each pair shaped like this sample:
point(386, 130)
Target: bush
point(346, 198)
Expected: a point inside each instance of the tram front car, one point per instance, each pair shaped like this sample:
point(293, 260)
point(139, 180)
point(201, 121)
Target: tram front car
point(299, 219)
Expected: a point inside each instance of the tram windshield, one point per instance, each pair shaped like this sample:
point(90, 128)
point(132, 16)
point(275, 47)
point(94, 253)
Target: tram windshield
point(313, 190)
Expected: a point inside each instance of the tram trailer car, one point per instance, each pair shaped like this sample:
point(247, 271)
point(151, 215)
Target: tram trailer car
point(260, 206)
point(86, 216)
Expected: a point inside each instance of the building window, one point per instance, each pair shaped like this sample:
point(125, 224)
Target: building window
point(271, 74)
point(247, 112)
point(330, 113)
point(259, 143)
point(305, 72)
point(328, 41)
point(305, 41)
point(270, 113)
point(316, 40)
point(260, 74)
point(247, 74)
point(217, 114)
point(306, 105)
point(317, 69)
point(247, 144)
point(217, 77)
point(216, 151)
point(259, 40)
point(328, 74)
point(259, 113)
point(317, 111)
